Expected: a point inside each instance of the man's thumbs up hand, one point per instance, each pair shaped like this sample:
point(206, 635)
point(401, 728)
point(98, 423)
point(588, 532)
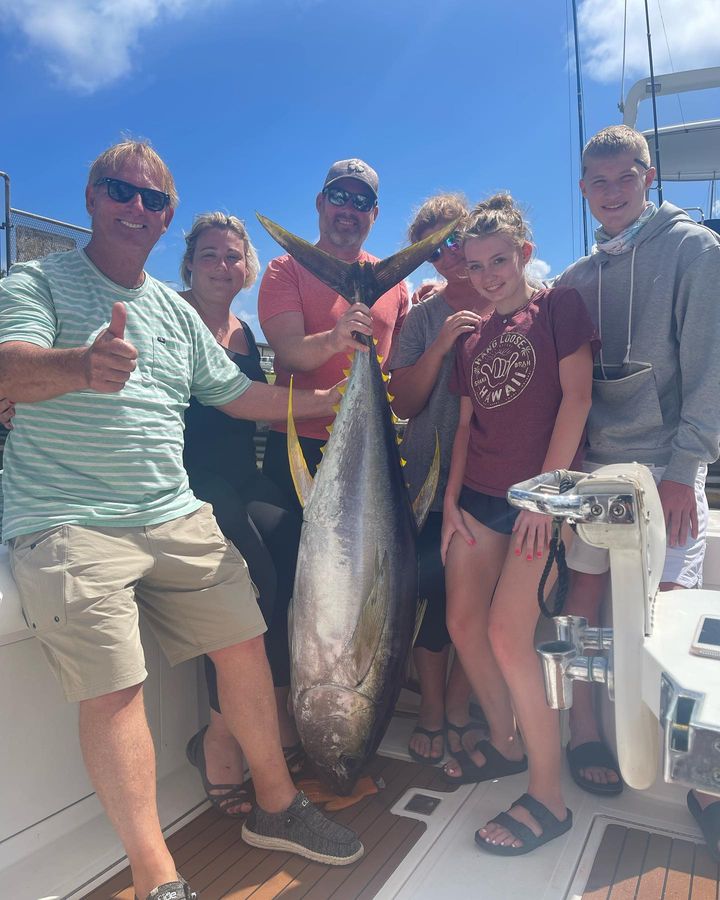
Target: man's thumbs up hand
point(110, 358)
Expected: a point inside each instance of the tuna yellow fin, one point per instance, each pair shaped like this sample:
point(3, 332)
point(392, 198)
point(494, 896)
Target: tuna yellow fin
point(302, 479)
point(419, 615)
point(385, 376)
point(426, 495)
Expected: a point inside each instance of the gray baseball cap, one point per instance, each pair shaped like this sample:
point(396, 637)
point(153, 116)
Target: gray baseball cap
point(352, 168)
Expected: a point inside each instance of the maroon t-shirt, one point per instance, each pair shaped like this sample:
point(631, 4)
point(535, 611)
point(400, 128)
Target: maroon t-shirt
point(510, 371)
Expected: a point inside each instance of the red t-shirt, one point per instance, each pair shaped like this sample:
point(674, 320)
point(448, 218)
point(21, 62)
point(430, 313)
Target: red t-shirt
point(510, 371)
point(287, 287)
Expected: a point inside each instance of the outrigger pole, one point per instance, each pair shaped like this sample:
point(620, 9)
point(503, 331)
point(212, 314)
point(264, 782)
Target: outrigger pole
point(654, 107)
point(581, 117)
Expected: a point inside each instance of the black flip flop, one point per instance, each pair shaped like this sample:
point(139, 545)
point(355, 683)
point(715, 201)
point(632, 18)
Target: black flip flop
point(709, 821)
point(552, 827)
point(418, 757)
point(496, 765)
point(593, 754)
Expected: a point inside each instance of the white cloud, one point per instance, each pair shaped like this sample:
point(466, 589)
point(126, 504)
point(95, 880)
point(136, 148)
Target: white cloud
point(693, 33)
point(538, 269)
point(88, 44)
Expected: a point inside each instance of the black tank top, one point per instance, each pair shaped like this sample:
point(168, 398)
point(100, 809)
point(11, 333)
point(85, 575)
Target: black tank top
point(216, 441)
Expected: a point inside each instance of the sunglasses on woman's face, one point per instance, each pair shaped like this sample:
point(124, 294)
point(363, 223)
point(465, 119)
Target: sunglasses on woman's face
point(452, 242)
point(123, 191)
point(338, 197)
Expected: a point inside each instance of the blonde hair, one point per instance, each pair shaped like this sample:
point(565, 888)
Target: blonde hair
point(111, 161)
point(615, 140)
point(498, 214)
point(223, 222)
point(435, 211)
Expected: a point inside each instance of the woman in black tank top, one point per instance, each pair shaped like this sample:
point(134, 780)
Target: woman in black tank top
point(220, 460)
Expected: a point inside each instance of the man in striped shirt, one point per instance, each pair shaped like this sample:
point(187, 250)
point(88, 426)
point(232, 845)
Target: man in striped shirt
point(101, 360)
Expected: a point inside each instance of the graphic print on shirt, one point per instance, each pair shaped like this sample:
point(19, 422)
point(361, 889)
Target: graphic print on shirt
point(503, 370)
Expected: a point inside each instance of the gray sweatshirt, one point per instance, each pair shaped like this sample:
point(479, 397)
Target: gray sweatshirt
point(656, 391)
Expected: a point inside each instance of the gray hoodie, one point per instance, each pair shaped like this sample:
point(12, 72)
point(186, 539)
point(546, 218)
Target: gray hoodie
point(656, 391)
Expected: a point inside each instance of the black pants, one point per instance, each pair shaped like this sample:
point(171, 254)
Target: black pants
point(277, 467)
point(257, 519)
point(433, 634)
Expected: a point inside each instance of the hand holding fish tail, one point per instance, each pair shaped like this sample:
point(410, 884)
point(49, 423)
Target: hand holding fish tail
point(453, 523)
point(532, 534)
point(357, 318)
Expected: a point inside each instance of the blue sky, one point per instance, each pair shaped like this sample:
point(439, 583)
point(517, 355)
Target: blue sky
point(249, 101)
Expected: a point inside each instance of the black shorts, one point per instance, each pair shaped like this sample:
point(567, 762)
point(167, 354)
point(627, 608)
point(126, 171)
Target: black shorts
point(494, 513)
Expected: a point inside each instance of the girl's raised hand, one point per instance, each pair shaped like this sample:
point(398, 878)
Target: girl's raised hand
point(453, 522)
point(532, 534)
point(462, 322)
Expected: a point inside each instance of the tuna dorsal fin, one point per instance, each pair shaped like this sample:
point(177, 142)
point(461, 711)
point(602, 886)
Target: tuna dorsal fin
point(419, 616)
point(424, 499)
point(302, 479)
point(368, 631)
point(362, 282)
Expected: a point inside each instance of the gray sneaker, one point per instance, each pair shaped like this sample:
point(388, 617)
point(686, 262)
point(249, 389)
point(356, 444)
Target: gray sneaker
point(173, 890)
point(302, 829)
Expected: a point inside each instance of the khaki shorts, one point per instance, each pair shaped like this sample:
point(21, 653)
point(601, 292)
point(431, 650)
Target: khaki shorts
point(80, 590)
point(683, 565)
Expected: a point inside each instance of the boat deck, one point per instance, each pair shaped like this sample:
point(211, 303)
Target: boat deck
point(211, 854)
point(638, 846)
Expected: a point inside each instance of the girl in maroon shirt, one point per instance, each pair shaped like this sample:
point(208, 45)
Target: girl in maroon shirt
point(524, 380)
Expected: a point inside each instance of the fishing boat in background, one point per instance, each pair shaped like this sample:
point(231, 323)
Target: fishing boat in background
point(664, 721)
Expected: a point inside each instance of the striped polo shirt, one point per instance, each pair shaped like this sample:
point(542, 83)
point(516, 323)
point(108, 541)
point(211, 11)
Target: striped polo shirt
point(106, 460)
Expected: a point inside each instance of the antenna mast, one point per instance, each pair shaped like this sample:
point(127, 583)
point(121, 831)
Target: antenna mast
point(581, 117)
point(654, 107)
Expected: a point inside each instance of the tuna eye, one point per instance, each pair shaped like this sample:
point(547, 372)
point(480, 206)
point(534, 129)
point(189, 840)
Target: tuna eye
point(350, 763)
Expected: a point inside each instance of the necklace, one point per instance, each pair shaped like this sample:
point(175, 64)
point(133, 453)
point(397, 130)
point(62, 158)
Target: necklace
point(505, 317)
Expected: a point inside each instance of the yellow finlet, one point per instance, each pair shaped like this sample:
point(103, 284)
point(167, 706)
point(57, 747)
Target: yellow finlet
point(391, 397)
point(346, 372)
point(329, 429)
point(380, 358)
point(341, 389)
point(385, 377)
point(336, 408)
point(376, 341)
point(398, 439)
point(403, 462)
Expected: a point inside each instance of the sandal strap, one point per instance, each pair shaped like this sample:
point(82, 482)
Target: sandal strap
point(518, 830)
point(538, 811)
point(428, 732)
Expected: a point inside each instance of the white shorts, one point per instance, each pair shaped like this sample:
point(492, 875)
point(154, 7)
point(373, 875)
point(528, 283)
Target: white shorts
point(683, 565)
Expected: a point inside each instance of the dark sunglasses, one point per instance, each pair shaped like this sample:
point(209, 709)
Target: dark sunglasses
point(123, 191)
point(338, 197)
point(452, 242)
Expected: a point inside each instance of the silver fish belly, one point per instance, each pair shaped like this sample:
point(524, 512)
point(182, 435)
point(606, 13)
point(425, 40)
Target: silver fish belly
point(355, 597)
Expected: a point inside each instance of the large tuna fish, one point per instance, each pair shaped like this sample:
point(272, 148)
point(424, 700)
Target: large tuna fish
point(354, 604)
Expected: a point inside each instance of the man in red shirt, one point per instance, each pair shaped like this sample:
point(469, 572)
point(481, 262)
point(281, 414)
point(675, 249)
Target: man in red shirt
point(309, 326)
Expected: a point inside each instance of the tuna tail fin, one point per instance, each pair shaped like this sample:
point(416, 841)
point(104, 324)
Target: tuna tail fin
point(424, 499)
point(390, 271)
point(331, 271)
point(363, 646)
point(362, 282)
point(419, 616)
point(302, 479)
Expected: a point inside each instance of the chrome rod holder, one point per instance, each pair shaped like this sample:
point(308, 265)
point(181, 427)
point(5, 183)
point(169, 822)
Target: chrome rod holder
point(562, 664)
point(576, 630)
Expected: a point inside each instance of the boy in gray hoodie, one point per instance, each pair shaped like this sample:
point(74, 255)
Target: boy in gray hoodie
point(651, 285)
